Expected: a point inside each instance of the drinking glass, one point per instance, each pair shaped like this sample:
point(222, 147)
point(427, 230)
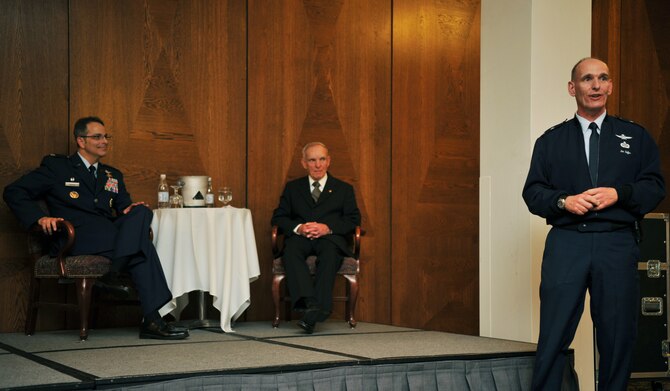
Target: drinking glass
point(225, 195)
point(176, 200)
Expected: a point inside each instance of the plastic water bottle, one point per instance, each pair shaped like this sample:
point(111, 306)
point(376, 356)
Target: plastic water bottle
point(209, 197)
point(163, 193)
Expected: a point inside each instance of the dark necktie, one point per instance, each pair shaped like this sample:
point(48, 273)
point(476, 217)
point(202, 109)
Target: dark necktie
point(316, 192)
point(594, 151)
point(94, 174)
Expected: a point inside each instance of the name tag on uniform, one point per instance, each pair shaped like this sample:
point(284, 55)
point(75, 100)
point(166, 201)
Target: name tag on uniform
point(72, 184)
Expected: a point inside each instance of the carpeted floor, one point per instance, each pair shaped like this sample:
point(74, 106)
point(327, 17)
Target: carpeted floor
point(114, 357)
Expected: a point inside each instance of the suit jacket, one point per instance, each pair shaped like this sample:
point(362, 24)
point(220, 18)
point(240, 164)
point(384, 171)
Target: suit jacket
point(336, 208)
point(71, 193)
point(629, 162)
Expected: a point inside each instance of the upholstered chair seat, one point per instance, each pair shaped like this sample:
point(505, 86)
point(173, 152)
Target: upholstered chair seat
point(349, 270)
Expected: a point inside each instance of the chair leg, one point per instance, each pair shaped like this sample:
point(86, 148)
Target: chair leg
point(352, 296)
point(276, 285)
point(84, 288)
point(31, 315)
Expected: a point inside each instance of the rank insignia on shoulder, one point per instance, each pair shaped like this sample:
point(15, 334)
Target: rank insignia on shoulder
point(557, 125)
point(625, 119)
point(629, 122)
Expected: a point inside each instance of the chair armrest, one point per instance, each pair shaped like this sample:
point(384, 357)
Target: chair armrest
point(275, 241)
point(68, 230)
point(356, 242)
point(64, 228)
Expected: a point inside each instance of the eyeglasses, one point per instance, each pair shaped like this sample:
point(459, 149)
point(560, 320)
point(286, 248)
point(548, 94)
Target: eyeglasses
point(98, 137)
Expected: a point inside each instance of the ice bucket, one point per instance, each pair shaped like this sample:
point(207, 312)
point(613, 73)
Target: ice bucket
point(194, 190)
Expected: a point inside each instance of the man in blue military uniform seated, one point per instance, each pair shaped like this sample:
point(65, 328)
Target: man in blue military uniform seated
point(93, 197)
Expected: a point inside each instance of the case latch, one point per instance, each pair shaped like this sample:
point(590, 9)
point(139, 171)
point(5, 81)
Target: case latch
point(653, 268)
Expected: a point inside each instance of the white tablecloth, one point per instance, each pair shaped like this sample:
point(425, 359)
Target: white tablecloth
point(208, 249)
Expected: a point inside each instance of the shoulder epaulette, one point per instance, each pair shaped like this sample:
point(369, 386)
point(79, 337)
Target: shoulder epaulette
point(623, 119)
point(626, 120)
point(107, 166)
point(557, 125)
point(57, 155)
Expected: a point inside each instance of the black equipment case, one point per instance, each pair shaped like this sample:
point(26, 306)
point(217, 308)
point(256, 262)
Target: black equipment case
point(652, 349)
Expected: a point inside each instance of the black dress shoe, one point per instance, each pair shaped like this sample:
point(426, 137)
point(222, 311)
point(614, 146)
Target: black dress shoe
point(158, 329)
point(309, 328)
point(308, 321)
point(115, 289)
point(176, 329)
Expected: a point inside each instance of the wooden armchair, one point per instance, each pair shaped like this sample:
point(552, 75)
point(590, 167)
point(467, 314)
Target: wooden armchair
point(349, 270)
point(83, 269)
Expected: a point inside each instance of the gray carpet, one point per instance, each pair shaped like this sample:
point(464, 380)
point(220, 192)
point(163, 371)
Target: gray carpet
point(117, 357)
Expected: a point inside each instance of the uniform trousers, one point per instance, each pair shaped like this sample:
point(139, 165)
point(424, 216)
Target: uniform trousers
point(135, 253)
point(605, 263)
point(298, 280)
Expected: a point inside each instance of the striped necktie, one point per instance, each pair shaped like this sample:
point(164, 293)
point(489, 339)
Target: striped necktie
point(316, 192)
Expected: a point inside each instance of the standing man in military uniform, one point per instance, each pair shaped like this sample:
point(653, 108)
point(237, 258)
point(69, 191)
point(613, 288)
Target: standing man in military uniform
point(93, 197)
point(592, 178)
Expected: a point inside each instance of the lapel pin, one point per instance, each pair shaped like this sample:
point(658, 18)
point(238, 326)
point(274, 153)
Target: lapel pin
point(74, 195)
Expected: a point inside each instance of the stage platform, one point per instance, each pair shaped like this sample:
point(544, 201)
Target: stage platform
point(256, 356)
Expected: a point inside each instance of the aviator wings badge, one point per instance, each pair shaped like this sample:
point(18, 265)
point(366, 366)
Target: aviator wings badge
point(623, 137)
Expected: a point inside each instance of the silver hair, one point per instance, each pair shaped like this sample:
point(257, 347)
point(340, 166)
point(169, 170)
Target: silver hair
point(313, 144)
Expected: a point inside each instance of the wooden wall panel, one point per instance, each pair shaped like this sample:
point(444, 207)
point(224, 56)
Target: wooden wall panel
point(632, 37)
point(168, 78)
point(435, 165)
point(391, 86)
point(645, 73)
point(606, 43)
point(320, 70)
point(33, 123)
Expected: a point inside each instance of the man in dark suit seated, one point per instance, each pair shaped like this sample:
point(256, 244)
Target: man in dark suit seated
point(93, 197)
point(315, 213)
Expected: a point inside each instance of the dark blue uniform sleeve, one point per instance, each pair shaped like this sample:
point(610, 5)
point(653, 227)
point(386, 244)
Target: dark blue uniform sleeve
point(22, 195)
point(538, 192)
point(648, 190)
